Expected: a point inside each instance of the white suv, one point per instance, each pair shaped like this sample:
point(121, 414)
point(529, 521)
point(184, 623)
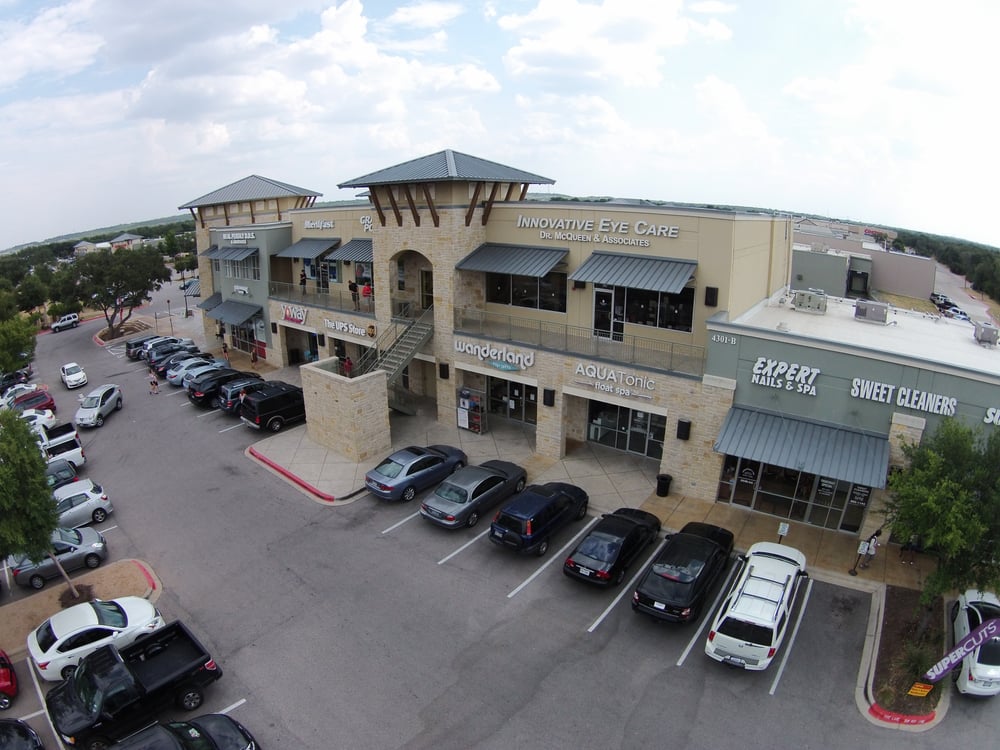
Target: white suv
point(752, 622)
point(66, 321)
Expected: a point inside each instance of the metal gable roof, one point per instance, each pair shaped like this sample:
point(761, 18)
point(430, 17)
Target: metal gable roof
point(518, 260)
point(309, 248)
point(250, 188)
point(446, 166)
point(636, 271)
point(819, 449)
point(357, 251)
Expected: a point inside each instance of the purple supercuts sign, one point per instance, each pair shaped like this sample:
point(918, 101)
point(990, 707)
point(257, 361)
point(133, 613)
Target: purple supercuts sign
point(989, 629)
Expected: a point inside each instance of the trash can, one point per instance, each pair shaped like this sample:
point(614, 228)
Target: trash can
point(663, 484)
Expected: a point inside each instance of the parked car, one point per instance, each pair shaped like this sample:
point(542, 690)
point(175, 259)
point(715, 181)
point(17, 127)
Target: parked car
point(8, 379)
point(57, 645)
point(273, 406)
point(229, 393)
point(148, 346)
point(39, 417)
point(529, 521)
point(979, 673)
point(73, 376)
point(17, 735)
point(71, 320)
point(612, 545)
point(206, 390)
point(167, 363)
point(60, 472)
point(19, 389)
point(175, 375)
point(675, 586)
point(134, 345)
point(40, 399)
point(8, 687)
point(208, 732)
point(73, 548)
point(81, 502)
point(159, 353)
point(193, 373)
point(97, 405)
point(406, 472)
point(463, 498)
point(753, 620)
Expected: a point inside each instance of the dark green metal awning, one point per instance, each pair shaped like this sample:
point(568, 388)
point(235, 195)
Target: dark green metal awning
point(668, 275)
point(519, 260)
point(234, 313)
point(214, 301)
point(309, 248)
point(235, 252)
point(357, 251)
point(824, 450)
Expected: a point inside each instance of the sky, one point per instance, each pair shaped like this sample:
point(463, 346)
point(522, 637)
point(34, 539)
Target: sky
point(877, 111)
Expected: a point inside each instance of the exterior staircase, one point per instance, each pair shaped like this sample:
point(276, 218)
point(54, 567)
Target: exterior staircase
point(397, 347)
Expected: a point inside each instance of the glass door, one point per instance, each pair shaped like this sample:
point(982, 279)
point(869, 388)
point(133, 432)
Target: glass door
point(603, 306)
point(426, 290)
point(638, 430)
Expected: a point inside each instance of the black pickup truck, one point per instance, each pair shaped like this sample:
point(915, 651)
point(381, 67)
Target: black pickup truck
point(114, 693)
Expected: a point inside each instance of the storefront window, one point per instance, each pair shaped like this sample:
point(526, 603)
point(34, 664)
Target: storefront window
point(671, 311)
point(624, 429)
point(546, 293)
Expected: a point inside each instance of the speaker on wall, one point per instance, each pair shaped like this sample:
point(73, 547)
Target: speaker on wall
point(683, 429)
point(274, 327)
point(549, 397)
point(579, 284)
point(711, 296)
point(443, 370)
point(320, 340)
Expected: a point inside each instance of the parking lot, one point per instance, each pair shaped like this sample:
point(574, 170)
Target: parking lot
point(363, 626)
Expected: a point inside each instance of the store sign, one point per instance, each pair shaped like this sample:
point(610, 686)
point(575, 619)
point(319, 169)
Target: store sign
point(788, 376)
point(616, 382)
point(346, 326)
point(860, 494)
point(366, 223)
point(992, 416)
point(238, 238)
point(294, 313)
point(318, 224)
point(907, 398)
point(501, 358)
point(977, 637)
point(603, 230)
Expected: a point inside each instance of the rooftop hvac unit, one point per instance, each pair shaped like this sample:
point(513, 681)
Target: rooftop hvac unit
point(813, 300)
point(987, 334)
point(873, 312)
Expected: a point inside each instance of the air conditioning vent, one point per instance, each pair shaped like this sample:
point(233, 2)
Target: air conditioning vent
point(812, 300)
point(987, 334)
point(872, 312)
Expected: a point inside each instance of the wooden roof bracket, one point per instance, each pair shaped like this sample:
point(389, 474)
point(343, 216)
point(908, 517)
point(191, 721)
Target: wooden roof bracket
point(510, 191)
point(395, 207)
point(413, 206)
point(225, 211)
point(198, 218)
point(489, 203)
point(373, 197)
point(472, 204)
point(430, 204)
point(524, 191)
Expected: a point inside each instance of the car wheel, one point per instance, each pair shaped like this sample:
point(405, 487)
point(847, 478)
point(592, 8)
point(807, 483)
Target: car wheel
point(189, 698)
point(98, 743)
point(75, 325)
point(520, 485)
point(5, 701)
point(275, 424)
point(100, 420)
point(620, 577)
point(472, 520)
point(582, 512)
point(409, 493)
point(118, 405)
point(36, 582)
point(67, 671)
point(92, 561)
point(214, 402)
point(99, 515)
point(542, 548)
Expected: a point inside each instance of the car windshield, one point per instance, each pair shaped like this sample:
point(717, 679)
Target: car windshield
point(389, 469)
point(746, 631)
point(452, 493)
point(90, 402)
point(680, 573)
point(73, 369)
point(190, 736)
point(45, 637)
point(598, 546)
point(70, 536)
point(110, 614)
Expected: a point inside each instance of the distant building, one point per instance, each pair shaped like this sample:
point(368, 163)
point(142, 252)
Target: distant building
point(83, 247)
point(126, 240)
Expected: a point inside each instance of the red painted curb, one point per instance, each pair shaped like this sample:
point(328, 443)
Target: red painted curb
point(147, 574)
point(326, 497)
point(892, 717)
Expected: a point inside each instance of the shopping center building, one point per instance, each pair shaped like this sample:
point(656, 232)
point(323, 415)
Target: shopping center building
point(674, 333)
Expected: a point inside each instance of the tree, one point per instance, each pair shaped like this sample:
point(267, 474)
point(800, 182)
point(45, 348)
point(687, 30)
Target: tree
point(186, 262)
point(169, 245)
point(949, 496)
point(118, 282)
point(31, 293)
point(27, 514)
point(17, 339)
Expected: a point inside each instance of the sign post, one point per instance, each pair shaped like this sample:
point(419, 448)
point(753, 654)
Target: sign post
point(782, 531)
point(862, 551)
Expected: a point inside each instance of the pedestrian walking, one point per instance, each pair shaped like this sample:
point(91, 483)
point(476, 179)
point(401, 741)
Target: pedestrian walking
point(908, 552)
point(348, 367)
point(221, 332)
point(366, 292)
point(225, 352)
point(154, 382)
point(253, 357)
point(302, 280)
point(873, 544)
point(353, 288)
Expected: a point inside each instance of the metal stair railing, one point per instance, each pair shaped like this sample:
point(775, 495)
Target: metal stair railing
point(396, 347)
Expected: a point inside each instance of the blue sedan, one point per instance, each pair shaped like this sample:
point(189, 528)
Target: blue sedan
point(409, 470)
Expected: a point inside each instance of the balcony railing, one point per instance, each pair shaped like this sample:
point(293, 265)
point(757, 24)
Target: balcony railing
point(634, 350)
point(328, 300)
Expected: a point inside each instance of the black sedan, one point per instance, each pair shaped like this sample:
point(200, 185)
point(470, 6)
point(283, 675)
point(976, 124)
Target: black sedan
point(462, 498)
point(612, 546)
point(159, 353)
point(205, 390)
point(208, 732)
point(16, 735)
point(675, 586)
point(176, 358)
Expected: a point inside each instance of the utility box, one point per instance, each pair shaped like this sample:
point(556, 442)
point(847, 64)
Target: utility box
point(871, 312)
point(986, 334)
point(812, 300)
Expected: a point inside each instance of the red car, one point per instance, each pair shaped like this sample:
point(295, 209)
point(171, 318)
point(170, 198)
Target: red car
point(34, 400)
point(8, 682)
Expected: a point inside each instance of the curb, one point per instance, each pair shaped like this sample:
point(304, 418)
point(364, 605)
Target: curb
point(282, 471)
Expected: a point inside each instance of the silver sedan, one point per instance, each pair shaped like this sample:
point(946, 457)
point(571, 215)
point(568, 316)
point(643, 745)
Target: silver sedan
point(462, 498)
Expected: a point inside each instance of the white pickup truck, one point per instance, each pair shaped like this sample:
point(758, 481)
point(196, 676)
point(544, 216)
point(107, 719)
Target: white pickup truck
point(61, 441)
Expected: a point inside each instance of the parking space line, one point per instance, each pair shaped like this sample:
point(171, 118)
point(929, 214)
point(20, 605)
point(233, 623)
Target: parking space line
point(233, 706)
point(41, 698)
point(723, 590)
point(625, 589)
point(472, 541)
point(791, 639)
point(397, 525)
point(557, 556)
point(231, 427)
point(209, 413)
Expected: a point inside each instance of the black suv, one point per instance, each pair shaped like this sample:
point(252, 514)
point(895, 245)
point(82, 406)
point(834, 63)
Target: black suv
point(60, 472)
point(229, 393)
point(272, 406)
point(527, 522)
point(205, 391)
point(134, 346)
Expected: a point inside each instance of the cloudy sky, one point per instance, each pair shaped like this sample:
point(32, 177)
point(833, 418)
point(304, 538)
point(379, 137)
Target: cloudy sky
point(114, 111)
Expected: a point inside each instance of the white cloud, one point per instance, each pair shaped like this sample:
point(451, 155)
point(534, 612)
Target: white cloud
point(427, 15)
